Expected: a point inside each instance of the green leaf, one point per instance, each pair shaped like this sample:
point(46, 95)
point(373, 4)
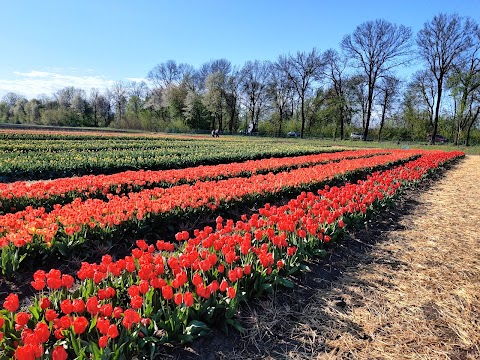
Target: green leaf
point(92, 324)
point(185, 338)
point(267, 287)
point(74, 343)
point(294, 270)
point(304, 268)
point(236, 324)
point(34, 311)
point(195, 328)
point(95, 350)
point(106, 355)
point(285, 282)
point(319, 252)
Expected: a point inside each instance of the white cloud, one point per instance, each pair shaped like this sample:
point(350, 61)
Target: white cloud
point(33, 74)
point(33, 83)
point(145, 80)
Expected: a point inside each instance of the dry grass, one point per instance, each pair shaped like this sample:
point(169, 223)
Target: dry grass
point(416, 295)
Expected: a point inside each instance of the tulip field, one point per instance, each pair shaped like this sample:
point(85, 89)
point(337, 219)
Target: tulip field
point(45, 156)
point(172, 290)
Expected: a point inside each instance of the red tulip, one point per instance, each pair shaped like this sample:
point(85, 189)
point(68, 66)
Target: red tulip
point(223, 285)
point(188, 298)
point(11, 303)
point(178, 298)
point(67, 281)
point(66, 306)
point(50, 315)
point(59, 353)
point(44, 303)
point(130, 318)
point(80, 325)
point(231, 292)
point(106, 310)
point(92, 305)
point(136, 302)
point(117, 312)
point(78, 306)
point(112, 331)
point(167, 292)
point(42, 332)
point(103, 325)
point(38, 284)
point(22, 318)
point(103, 341)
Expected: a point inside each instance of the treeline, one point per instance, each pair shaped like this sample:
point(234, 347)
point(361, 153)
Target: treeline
point(328, 94)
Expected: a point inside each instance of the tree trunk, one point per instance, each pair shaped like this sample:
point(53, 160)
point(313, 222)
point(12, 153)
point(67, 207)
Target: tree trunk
point(369, 112)
point(232, 119)
point(384, 110)
point(213, 123)
point(303, 116)
point(280, 121)
point(437, 110)
point(342, 135)
point(457, 133)
point(474, 118)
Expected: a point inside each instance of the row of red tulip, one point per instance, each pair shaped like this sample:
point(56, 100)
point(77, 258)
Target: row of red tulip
point(73, 220)
point(164, 293)
point(20, 194)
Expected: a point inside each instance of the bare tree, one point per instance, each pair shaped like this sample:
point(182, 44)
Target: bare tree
point(220, 65)
point(93, 99)
point(232, 95)
point(138, 89)
point(357, 94)
point(412, 106)
point(254, 79)
point(65, 96)
point(424, 85)
point(442, 43)
point(302, 70)
point(377, 47)
point(118, 94)
point(168, 73)
point(103, 109)
point(473, 114)
point(335, 73)
point(11, 98)
point(280, 92)
point(464, 83)
point(388, 90)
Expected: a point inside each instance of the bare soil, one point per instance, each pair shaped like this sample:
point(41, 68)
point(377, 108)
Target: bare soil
point(407, 286)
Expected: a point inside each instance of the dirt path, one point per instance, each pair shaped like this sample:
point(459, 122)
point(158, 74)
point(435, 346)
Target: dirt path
point(415, 295)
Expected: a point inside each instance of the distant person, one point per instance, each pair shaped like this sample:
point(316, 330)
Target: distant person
point(217, 134)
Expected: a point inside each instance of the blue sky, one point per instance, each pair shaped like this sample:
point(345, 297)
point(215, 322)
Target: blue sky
point(50, 44)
